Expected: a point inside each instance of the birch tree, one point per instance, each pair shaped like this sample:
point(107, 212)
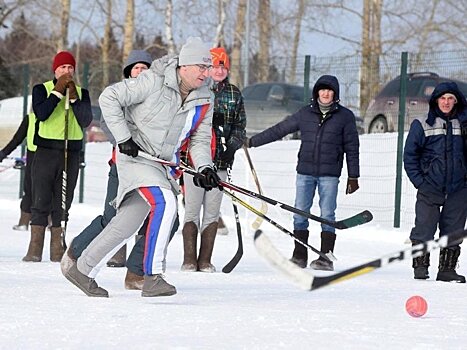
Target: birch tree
point(128, 29)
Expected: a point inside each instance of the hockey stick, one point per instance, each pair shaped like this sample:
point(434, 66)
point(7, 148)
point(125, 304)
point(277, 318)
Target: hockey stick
point(65, 169)
point(328, 256)
point(264, 207)
point(238, 255)
point(358, 219)
point(309, 282)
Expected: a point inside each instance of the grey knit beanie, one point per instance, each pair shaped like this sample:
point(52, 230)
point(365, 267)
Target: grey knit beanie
point(195, 51)
point(136, 56)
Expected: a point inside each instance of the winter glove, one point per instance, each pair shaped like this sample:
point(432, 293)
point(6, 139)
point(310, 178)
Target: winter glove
point(228, 156)
point(129, 147)
point(352, 185)
point(73, 92)
point(62, 83)
point(2, 156)
point(207, 179)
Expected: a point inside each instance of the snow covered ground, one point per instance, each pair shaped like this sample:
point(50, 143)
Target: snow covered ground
point(254, 307)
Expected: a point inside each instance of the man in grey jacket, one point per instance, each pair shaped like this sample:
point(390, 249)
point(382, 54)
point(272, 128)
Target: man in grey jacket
point(166, 105)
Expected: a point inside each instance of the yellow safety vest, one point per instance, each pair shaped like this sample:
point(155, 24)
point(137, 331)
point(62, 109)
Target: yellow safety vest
point(30, 133)
point(54, 127)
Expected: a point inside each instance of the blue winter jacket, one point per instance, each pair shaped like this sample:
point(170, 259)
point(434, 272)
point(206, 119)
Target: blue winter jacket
point(434, 150)
point(324, 141)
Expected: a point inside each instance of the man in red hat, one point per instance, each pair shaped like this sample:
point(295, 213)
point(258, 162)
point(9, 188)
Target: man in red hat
point(48, 104)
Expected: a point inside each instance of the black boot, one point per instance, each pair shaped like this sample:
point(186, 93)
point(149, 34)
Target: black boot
point(447, 265)
point(300, 253)
point(328, 240)
point(420, 265)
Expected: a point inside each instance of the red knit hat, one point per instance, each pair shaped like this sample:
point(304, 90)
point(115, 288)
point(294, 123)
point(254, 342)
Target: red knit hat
point(220, 57)
point(61, 58)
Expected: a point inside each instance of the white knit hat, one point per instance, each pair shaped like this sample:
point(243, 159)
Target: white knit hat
point(194, 52)
point(448, 94)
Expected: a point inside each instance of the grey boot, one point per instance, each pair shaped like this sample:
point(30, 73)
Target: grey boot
point(300, 252)
point(447, 265)
point(119, 258)
point(86, 284)
point(36, 245)
point(208, 236)
point(190, 233)
point(67, 260)
point(56, 246)
point(24, 220)
point(328, 240)
point(156, 286)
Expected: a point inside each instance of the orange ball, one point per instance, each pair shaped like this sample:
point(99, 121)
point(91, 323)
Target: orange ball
point(416, 306)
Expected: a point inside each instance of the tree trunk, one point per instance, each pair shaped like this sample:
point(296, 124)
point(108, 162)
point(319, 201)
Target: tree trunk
point(264, 22)
point(219, 39)
point(106, 46)
point(168, 28)
point(235, 56)
point(296, 41)
point(128, 29)
point(62, 41)
point(366, 52)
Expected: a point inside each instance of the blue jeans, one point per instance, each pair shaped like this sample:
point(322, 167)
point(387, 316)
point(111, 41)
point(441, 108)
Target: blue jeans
point(305, 192)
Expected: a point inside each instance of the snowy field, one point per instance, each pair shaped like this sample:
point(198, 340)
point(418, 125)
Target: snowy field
point(254, 307)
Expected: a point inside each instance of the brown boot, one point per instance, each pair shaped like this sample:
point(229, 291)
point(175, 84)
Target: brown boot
point(208, 237)
point(36, 245)
point(133, 281)
point(119, 258)
point(23, 223)
point(56, 246)
point(190, 236)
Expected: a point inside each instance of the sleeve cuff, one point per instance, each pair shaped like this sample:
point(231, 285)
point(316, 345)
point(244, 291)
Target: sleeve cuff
point(56, 93)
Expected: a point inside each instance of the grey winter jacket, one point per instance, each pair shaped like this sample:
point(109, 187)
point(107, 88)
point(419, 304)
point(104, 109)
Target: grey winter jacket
point(159, 123)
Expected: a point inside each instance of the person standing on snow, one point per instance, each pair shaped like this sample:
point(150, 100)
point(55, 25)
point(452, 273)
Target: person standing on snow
point(48, 104)
point(228, 124)
point(328, 132)
point(165, 106)
point(435, 162)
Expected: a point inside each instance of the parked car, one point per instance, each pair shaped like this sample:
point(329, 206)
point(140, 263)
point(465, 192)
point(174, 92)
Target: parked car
point(94, 132)
point(267, 104)
point(383, 111)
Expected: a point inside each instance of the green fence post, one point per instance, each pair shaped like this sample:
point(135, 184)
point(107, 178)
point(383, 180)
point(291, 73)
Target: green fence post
point(25, 111)
point(306, 79)
point(81, 169)
point(400, 139)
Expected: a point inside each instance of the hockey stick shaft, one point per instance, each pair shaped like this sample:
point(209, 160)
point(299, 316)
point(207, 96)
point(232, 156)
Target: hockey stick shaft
point(264, 207)
point(65, 169)
point(239, 253)
point(358, 219)
point(310, 282)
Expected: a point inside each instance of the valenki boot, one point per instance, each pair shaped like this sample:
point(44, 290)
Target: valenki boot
point(208, 236)
point(56, 246)
point(300, 253)
point(447, 265)
point(23, 223)
point(36, 245)
point(328, 240)
point(190, 235)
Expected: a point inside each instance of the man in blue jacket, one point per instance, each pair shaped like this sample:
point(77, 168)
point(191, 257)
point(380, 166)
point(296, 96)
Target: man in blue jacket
point(328, 131)
point(435, 162)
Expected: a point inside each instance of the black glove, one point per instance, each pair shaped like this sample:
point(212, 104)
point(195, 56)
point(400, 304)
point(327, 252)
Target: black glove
point(207, 179)
point(2, 156)
point(352, 185)
point(129, 147)
point(228, 156)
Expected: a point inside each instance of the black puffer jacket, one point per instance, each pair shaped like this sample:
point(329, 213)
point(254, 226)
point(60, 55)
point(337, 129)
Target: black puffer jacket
point(324, 141)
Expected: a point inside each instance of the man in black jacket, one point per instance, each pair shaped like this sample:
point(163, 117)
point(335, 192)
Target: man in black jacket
point(328, 131)
point(48, 104)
